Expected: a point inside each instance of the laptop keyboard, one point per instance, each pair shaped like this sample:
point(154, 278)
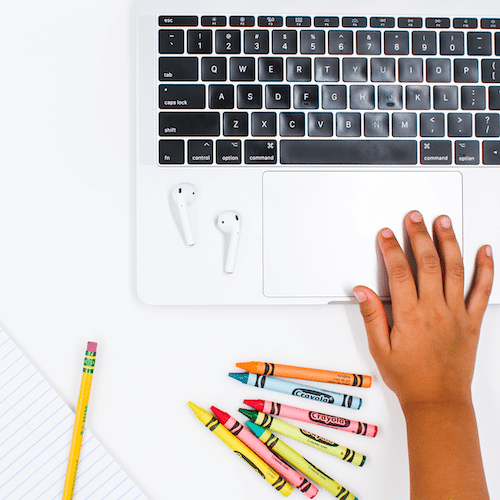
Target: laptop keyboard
point(268, 90)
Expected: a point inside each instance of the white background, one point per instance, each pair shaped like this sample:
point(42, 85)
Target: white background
point(67, 276)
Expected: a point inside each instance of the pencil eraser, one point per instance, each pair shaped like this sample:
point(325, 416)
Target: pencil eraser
point(92, 346)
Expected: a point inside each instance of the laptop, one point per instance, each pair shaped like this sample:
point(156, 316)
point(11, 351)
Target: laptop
point(275, 140)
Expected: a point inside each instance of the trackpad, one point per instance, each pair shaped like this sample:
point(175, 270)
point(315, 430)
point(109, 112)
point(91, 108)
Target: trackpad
point(320, 228)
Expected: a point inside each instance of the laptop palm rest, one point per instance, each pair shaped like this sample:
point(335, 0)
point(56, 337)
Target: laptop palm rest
point(320, 228)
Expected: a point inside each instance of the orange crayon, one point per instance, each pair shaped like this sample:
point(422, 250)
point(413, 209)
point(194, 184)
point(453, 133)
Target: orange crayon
point(261, 368)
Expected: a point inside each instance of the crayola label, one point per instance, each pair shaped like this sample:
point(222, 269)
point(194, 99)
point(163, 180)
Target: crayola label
point(329, 419)
point(314, 395)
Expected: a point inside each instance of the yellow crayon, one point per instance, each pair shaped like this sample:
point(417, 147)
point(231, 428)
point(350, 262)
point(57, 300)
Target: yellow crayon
point(299, 462)
point(306, 437)
point(269, 474)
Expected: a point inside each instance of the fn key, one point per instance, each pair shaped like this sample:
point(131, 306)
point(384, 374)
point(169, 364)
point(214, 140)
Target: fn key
point(171, 152)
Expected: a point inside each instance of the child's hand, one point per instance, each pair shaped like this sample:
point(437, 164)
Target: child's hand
point(429, 354)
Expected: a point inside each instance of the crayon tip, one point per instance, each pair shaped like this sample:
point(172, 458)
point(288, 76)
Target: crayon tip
point(241, 377)
point(251, 366)
point(222, 416)
point(256, 429)
point(258, 404)
point(92, 346)
point(251, 414)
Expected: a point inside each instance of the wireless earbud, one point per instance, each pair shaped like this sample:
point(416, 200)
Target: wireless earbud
point(183, 195)
point(230, 223)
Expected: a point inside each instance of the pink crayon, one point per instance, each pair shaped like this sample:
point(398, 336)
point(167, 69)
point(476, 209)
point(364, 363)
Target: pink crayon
point(312, 417)
point(258, 447)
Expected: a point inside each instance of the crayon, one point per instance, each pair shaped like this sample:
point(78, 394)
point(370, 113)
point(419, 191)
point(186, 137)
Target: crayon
point(247, 437)
point(274, 369)
point(80, 417)
point(269, 474)
point(312, 417)
point(295, 389)
point(303, 436)
point(297, 460)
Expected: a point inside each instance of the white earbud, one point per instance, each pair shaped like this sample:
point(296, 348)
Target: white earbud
point(230, 223)
point(183, 195)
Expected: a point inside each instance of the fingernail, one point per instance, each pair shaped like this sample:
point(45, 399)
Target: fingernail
point(488, 251)
point(387, 233)
point(360, 296)
point(416, 217)
point(445, 222)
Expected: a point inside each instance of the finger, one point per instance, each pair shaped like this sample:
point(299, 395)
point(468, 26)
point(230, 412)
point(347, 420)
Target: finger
point(479, 295)
point(429, 274)
point(401, 283)
point(375, 319)
point(451, 261)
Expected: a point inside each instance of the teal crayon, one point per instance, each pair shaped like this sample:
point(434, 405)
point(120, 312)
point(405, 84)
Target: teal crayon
point(297, 389)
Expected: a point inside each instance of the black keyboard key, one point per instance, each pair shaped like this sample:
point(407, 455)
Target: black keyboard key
point(465, 23)
point(396, 43)
point(326, 22)
point(189, 124)
point(242, 21)
point(298, 69)
point(235, 124)
point(466, 70)
point(355, 69)
point(383, 69)
point(249, 96)
point(320, 124)
point(220, 96)
point(292, 124)
point(182, 96)
point(432, 124)
point(178, 69)
point(228, 151)
point(178, 21)
point(460, 125)
point(334, 97)
point(410, 22)
point(354, 22)
point(487, 125)
point(491, 152)
point(213, 69)
point(340, 42)
point(171, 152)
point(348, 124)
point(362, 97)
point(438, 70)
point(490, 70)
point(404, 124)
point(227, 41)
point(478, 43)
point(390, 97)
point(264, 124)
point(411, 69)
point(312, 42)
point(200, 151)
point(199, 41)
point(467, 152)
point(270, 69)
point(494, 97)
point(171, 41)
point(259, 152)
point(435, 152)
point(376, 124)
point(213, 20)
point(473, 97)
point(445, 97)
point(277, 96)
point(242, 69)
point(326, 69)
point(284, 42)
point(270, 21)
point(256, 42)
point(424, 43)
point(382, 22)
point(298, 21)
point(437, 22)
point(348, 152)
point(368, 43)
point(451, 43)
point(306, 97)
point(490, 24)
point(418, 97)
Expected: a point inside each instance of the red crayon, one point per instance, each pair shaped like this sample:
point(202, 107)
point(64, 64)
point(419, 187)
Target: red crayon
point(258, 447)
point(312, 417)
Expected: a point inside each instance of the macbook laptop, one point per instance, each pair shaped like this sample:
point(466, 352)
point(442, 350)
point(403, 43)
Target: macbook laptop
point(275, 140)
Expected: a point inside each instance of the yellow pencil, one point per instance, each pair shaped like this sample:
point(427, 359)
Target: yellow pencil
point(81, 415)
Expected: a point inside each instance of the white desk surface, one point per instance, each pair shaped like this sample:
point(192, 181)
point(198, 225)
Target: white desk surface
point(67, 276)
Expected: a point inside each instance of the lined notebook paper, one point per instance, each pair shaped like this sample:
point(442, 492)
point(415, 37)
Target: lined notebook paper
point(35, 436)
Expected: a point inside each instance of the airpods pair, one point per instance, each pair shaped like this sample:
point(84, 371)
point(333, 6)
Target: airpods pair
point(229, 222)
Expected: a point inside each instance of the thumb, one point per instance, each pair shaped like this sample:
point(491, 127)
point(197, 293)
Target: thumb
point(375, 319)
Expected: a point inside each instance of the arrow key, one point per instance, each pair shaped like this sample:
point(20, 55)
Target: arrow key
point(491, 152)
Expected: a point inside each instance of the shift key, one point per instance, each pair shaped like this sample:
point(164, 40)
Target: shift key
point(189, 124)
